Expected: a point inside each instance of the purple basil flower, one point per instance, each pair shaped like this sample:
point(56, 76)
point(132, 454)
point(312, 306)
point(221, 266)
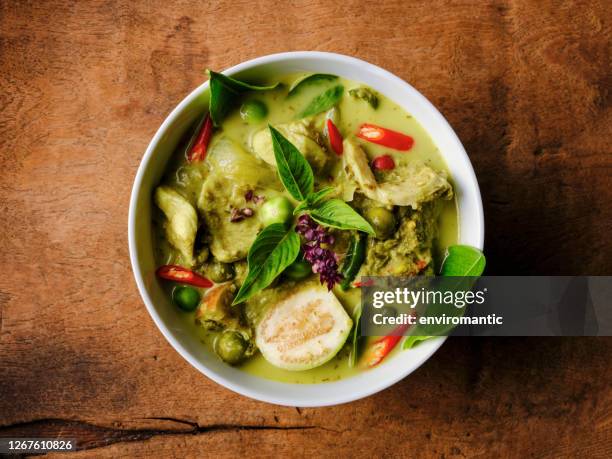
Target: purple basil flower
point(324, 262)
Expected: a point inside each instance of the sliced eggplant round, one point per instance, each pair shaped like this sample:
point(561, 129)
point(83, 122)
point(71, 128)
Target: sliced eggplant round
point(304, 330)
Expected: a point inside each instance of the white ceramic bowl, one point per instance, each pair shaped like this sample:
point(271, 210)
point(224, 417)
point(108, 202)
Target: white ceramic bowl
point(166, 317)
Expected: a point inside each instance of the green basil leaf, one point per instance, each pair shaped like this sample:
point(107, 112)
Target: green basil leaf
point(302, 206)
point(317, 196)
point(338, 214)
point(323, 101)
point(312, 199)
point(309, 79)
point(275, 248)
point(463, 261)
point(355, 336)
point(412, 341)
point(353, 260)
point(224, 93)
point(294, 171)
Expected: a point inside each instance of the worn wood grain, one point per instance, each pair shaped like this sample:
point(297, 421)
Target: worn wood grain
point(85, 84)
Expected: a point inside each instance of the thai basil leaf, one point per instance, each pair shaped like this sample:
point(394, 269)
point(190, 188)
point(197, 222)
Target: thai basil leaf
point(294, 171)
point(354, 259)
point(412, 341)
point(309, 79)
point(323, 101)
point(463, 262)
point(313, 199)
point(275, 248)
point(338, 214)
point(224, 93)
point(355, 335)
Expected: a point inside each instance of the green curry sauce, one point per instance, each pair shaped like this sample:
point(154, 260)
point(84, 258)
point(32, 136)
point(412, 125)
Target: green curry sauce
point(274, 107)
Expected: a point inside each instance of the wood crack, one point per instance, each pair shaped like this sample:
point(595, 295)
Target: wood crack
point(90, 436)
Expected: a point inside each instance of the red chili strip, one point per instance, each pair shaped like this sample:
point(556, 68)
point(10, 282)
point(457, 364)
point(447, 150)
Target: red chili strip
point(381, 348)
point(385, 137)
point(366, 283)
point(183, 275)
point(335, 138)
point(383, 163)
point(198, 150)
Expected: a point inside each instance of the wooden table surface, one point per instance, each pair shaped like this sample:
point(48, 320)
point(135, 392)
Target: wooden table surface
point(85, 84)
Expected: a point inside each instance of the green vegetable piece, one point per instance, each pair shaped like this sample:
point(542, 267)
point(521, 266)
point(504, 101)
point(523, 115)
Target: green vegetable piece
point(225, 91)
point(253, 111)
point(323, 101)
point(275, 248)
point(308, 80)
point(186, 298)
point(382, 220)
point(230, 346)
point(463, 261)
point(294, 171)
point(353, 260)
point(298, 270)
point(336, 213)
point(365, 94)
point(276, 210)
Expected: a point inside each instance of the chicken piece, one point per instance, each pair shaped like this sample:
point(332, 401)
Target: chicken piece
point(301, 134)
point(234, 172)
point(412, 185)
point(215, 312)
point(357, 168)
point(182, 221)
point(407, 185)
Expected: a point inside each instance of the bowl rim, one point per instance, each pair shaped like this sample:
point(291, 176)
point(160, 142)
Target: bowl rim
point(148, 158)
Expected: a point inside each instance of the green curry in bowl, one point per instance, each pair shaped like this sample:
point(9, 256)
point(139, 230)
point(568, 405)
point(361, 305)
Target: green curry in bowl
point(280, 200)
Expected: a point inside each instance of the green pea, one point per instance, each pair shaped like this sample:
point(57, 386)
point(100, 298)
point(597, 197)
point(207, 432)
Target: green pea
point(253, 111)
point(230, 346)
point(299, 269)
point(276, 210)
point(382, 220)
point(186, 298)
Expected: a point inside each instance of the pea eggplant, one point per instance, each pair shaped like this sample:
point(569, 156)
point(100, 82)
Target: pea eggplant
point(186, 298)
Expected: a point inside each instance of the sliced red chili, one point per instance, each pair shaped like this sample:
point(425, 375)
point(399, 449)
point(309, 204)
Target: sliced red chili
point(335, 138)
point(421, 265)
point(381, 348)
point(383, 163)
point(183, 275)
point(366, 283)
point(198, 150)
point(385, 137)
